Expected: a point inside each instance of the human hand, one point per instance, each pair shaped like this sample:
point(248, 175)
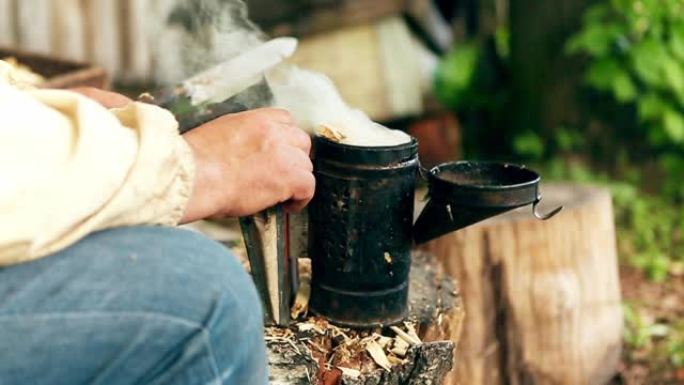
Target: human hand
point(105, 98)
point(247, 162)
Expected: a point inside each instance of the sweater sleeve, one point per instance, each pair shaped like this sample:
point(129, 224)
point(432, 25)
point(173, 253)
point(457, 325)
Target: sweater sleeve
point(69, 167)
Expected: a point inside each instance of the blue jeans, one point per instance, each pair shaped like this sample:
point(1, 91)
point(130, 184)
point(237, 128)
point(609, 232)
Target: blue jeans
point(138, 305)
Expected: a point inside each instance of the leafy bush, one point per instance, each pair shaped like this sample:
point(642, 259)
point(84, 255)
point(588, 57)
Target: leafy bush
point(649, 226)
point(636, 55)
point(630, 137)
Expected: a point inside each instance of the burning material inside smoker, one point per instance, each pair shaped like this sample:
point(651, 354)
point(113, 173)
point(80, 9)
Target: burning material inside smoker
point(314, 101)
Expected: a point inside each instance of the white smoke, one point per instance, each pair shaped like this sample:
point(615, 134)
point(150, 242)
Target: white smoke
point(198, 34)
point(188, 36)
point(314, 101)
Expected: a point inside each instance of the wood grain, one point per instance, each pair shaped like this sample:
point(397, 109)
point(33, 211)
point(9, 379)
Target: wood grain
point(542, 298)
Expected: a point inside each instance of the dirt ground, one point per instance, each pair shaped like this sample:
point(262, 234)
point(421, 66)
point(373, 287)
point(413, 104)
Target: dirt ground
point(659, 304)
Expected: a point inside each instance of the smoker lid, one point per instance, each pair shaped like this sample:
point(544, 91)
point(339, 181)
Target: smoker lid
point(361, 155)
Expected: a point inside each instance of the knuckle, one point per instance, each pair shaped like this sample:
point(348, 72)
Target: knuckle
point(261, 127)
point(306, 139)
point(281, 114)
point(282, 157)
point(310, 187)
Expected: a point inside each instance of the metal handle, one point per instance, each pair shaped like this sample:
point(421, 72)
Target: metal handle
point(423, 172)
point(546, 216)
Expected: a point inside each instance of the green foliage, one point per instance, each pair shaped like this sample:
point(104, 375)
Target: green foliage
point(642, 332)
point(530, 145)
point(676, 352)
point(456, 76)
point(633, 131)
point(639, 331)
point(636, 52)
point(649, 225)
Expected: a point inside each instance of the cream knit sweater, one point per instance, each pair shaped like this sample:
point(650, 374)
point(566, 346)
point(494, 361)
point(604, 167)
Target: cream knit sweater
point(69, 167)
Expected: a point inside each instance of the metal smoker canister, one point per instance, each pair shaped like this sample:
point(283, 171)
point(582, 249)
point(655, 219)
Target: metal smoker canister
point(360, 232)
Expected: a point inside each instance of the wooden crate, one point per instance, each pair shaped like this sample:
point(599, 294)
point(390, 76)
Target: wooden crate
point(60, 73)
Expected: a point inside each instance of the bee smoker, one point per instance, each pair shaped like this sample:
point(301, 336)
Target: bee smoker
point(361, 226)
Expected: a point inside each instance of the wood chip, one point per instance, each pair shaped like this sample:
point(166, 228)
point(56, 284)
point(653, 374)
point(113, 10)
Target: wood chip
point(395, 360)
point(412, 340)
point(301, 303)
point(378, 355)
point(411, 330)
point(400, 347)
point(383, 341)
point(305, 327)
point(353, 373)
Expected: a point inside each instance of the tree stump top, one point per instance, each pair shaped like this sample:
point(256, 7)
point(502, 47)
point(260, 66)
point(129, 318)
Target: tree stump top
point(420, 351)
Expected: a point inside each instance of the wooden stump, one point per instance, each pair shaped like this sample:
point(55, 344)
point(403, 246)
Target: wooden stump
point(307, 353)
point(542, 298)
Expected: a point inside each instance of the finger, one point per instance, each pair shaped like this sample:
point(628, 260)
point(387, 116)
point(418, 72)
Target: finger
point(303, 192)
point(295, 136)
point(300, 160)
point(290, 164)
point(280, 115)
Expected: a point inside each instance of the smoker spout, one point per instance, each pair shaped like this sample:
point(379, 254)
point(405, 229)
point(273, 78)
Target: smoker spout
point(440, 218)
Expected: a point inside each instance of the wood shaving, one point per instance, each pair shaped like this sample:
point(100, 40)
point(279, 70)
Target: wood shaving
point(400, 347)
point(383, 341)
point(411, 330)
point(378, 355)
point(349, 372)
point(289, 341)
point(348, 350)
point(395, 360)
point(306, 327)
point(412, 340)
point(301, 302)
point(330, 133)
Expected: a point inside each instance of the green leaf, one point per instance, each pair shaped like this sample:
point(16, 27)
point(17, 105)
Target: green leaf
point(647, 58)
point(658, 268)
point(568, 140)
point(673, 122)
point(594, 39)
point(529, 145)
point(674, 75)
point(677, 40)
point(456, 74)
point(651, 107)
point(602, 73)
point(502, 40)
point(623, 87)
point(676, 350)
point(596, 13)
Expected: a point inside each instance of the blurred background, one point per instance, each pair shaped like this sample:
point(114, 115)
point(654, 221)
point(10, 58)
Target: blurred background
point(588, 91)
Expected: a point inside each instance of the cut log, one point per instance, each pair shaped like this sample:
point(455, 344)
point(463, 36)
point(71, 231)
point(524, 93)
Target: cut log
point(542, 298)
point(313, 352)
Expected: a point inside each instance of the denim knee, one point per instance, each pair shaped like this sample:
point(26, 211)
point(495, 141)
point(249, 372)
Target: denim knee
point(135, 271)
